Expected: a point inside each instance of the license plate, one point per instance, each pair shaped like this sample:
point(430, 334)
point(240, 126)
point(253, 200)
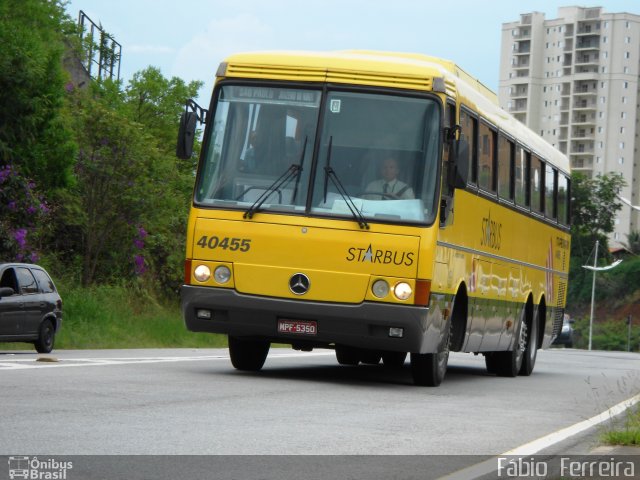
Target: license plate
point(297, 327)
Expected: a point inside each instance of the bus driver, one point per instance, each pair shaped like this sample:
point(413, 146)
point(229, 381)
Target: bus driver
point(389, 187)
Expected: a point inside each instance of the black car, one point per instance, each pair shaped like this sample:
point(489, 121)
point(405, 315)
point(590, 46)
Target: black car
point(30, 307)
point(566, 334)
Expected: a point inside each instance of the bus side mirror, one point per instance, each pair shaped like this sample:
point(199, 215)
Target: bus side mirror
point(460, 172)
point(186, 135)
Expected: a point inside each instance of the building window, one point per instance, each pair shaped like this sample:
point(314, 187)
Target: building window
point(621, 145)
point(599, 129)
point(621, 129)
point(625, 85)
point(602, 100)
point(627, 39)
point(626, 69)
point(604, 39)
point(623, 115)
point(621, 160)
point(627, 55)
point(624, 99)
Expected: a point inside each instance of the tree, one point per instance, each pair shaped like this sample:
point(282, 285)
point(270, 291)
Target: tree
point(593, 210)
point(34, 133)
point(633, 242)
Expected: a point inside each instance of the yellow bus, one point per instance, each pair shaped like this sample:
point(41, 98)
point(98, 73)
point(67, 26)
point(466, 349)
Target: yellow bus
point(379, 204)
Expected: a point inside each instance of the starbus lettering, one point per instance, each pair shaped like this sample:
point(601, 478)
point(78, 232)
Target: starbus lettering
point(491, 233)
point(385, 257)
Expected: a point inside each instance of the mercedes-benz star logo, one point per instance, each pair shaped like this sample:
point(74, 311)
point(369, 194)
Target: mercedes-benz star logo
point(299, 284)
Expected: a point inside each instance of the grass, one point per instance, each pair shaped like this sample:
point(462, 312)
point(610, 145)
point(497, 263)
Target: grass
point(628, 434)
point(122, 317)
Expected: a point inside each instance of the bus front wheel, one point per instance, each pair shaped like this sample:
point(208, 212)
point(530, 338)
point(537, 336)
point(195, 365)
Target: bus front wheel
point(428, 369)
point(248, 354)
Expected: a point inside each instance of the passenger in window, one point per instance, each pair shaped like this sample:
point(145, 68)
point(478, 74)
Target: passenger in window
point(389, 187)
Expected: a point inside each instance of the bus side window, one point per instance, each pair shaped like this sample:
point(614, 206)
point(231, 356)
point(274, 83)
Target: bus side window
point(506, 157)
point(521, 173)
point(486, 158)
point(563, 199)
point(537, 181)
point(550, 185)
point(469, 126)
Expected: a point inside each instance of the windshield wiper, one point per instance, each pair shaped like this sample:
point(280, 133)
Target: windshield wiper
point(280, 182)
point(329, 173)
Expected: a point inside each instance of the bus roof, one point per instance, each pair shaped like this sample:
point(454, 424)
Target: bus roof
point(390, 69)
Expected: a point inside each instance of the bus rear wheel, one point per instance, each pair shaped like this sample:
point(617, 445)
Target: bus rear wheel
point(531, 350)
point(248, 355)
point(508, 364)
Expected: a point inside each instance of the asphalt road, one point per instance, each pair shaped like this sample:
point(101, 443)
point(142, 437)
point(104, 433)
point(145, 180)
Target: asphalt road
point(192, 402)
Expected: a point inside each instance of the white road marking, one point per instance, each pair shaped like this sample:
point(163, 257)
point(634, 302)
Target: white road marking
point(531, 448)
point(30, 363)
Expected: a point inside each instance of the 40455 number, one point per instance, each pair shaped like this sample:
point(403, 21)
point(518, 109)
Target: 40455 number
point(225, 243)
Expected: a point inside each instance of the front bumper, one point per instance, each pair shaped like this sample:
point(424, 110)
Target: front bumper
point(364, 325)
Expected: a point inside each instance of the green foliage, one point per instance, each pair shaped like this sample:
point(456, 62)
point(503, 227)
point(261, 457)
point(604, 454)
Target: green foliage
point(593, 210)
point(629, 433)
point(22, 210)
point(33, 127)
point(607, 335)
point(633, 242)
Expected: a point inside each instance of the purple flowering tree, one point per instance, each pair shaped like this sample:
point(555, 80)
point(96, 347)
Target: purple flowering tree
point(22, 216)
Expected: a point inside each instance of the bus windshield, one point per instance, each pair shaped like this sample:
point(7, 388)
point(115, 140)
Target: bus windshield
point(377, 152)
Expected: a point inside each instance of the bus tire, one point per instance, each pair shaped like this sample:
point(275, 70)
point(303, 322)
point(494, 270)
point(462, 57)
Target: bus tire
point(370, 357)
point(508, 364)
point(531, 350)
point(347, 355)
point(428, 369)
point(248, 355)
point(394, 359)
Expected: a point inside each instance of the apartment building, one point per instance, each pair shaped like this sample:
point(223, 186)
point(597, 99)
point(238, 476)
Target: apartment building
point(575, 80)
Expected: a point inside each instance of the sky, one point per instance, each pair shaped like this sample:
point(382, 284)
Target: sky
point(189, 38)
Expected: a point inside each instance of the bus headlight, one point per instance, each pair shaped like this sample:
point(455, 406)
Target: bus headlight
point(402, 291)
point(222, 274)
point(380, 288)
point(202, 273)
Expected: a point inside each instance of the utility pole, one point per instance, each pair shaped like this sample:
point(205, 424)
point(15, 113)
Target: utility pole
point(593, 293)
point(595, 269)
point(629, 333)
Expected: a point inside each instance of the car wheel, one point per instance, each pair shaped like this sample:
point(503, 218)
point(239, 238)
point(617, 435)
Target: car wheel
point(46, 337)
point(248, 354)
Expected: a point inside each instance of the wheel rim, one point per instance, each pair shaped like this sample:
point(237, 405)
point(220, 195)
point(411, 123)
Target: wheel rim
point(47, 336)
point(522, 344)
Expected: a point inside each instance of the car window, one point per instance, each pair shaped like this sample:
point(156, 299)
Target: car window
point(9, 279)
point(27, 282)
point(44, 282)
